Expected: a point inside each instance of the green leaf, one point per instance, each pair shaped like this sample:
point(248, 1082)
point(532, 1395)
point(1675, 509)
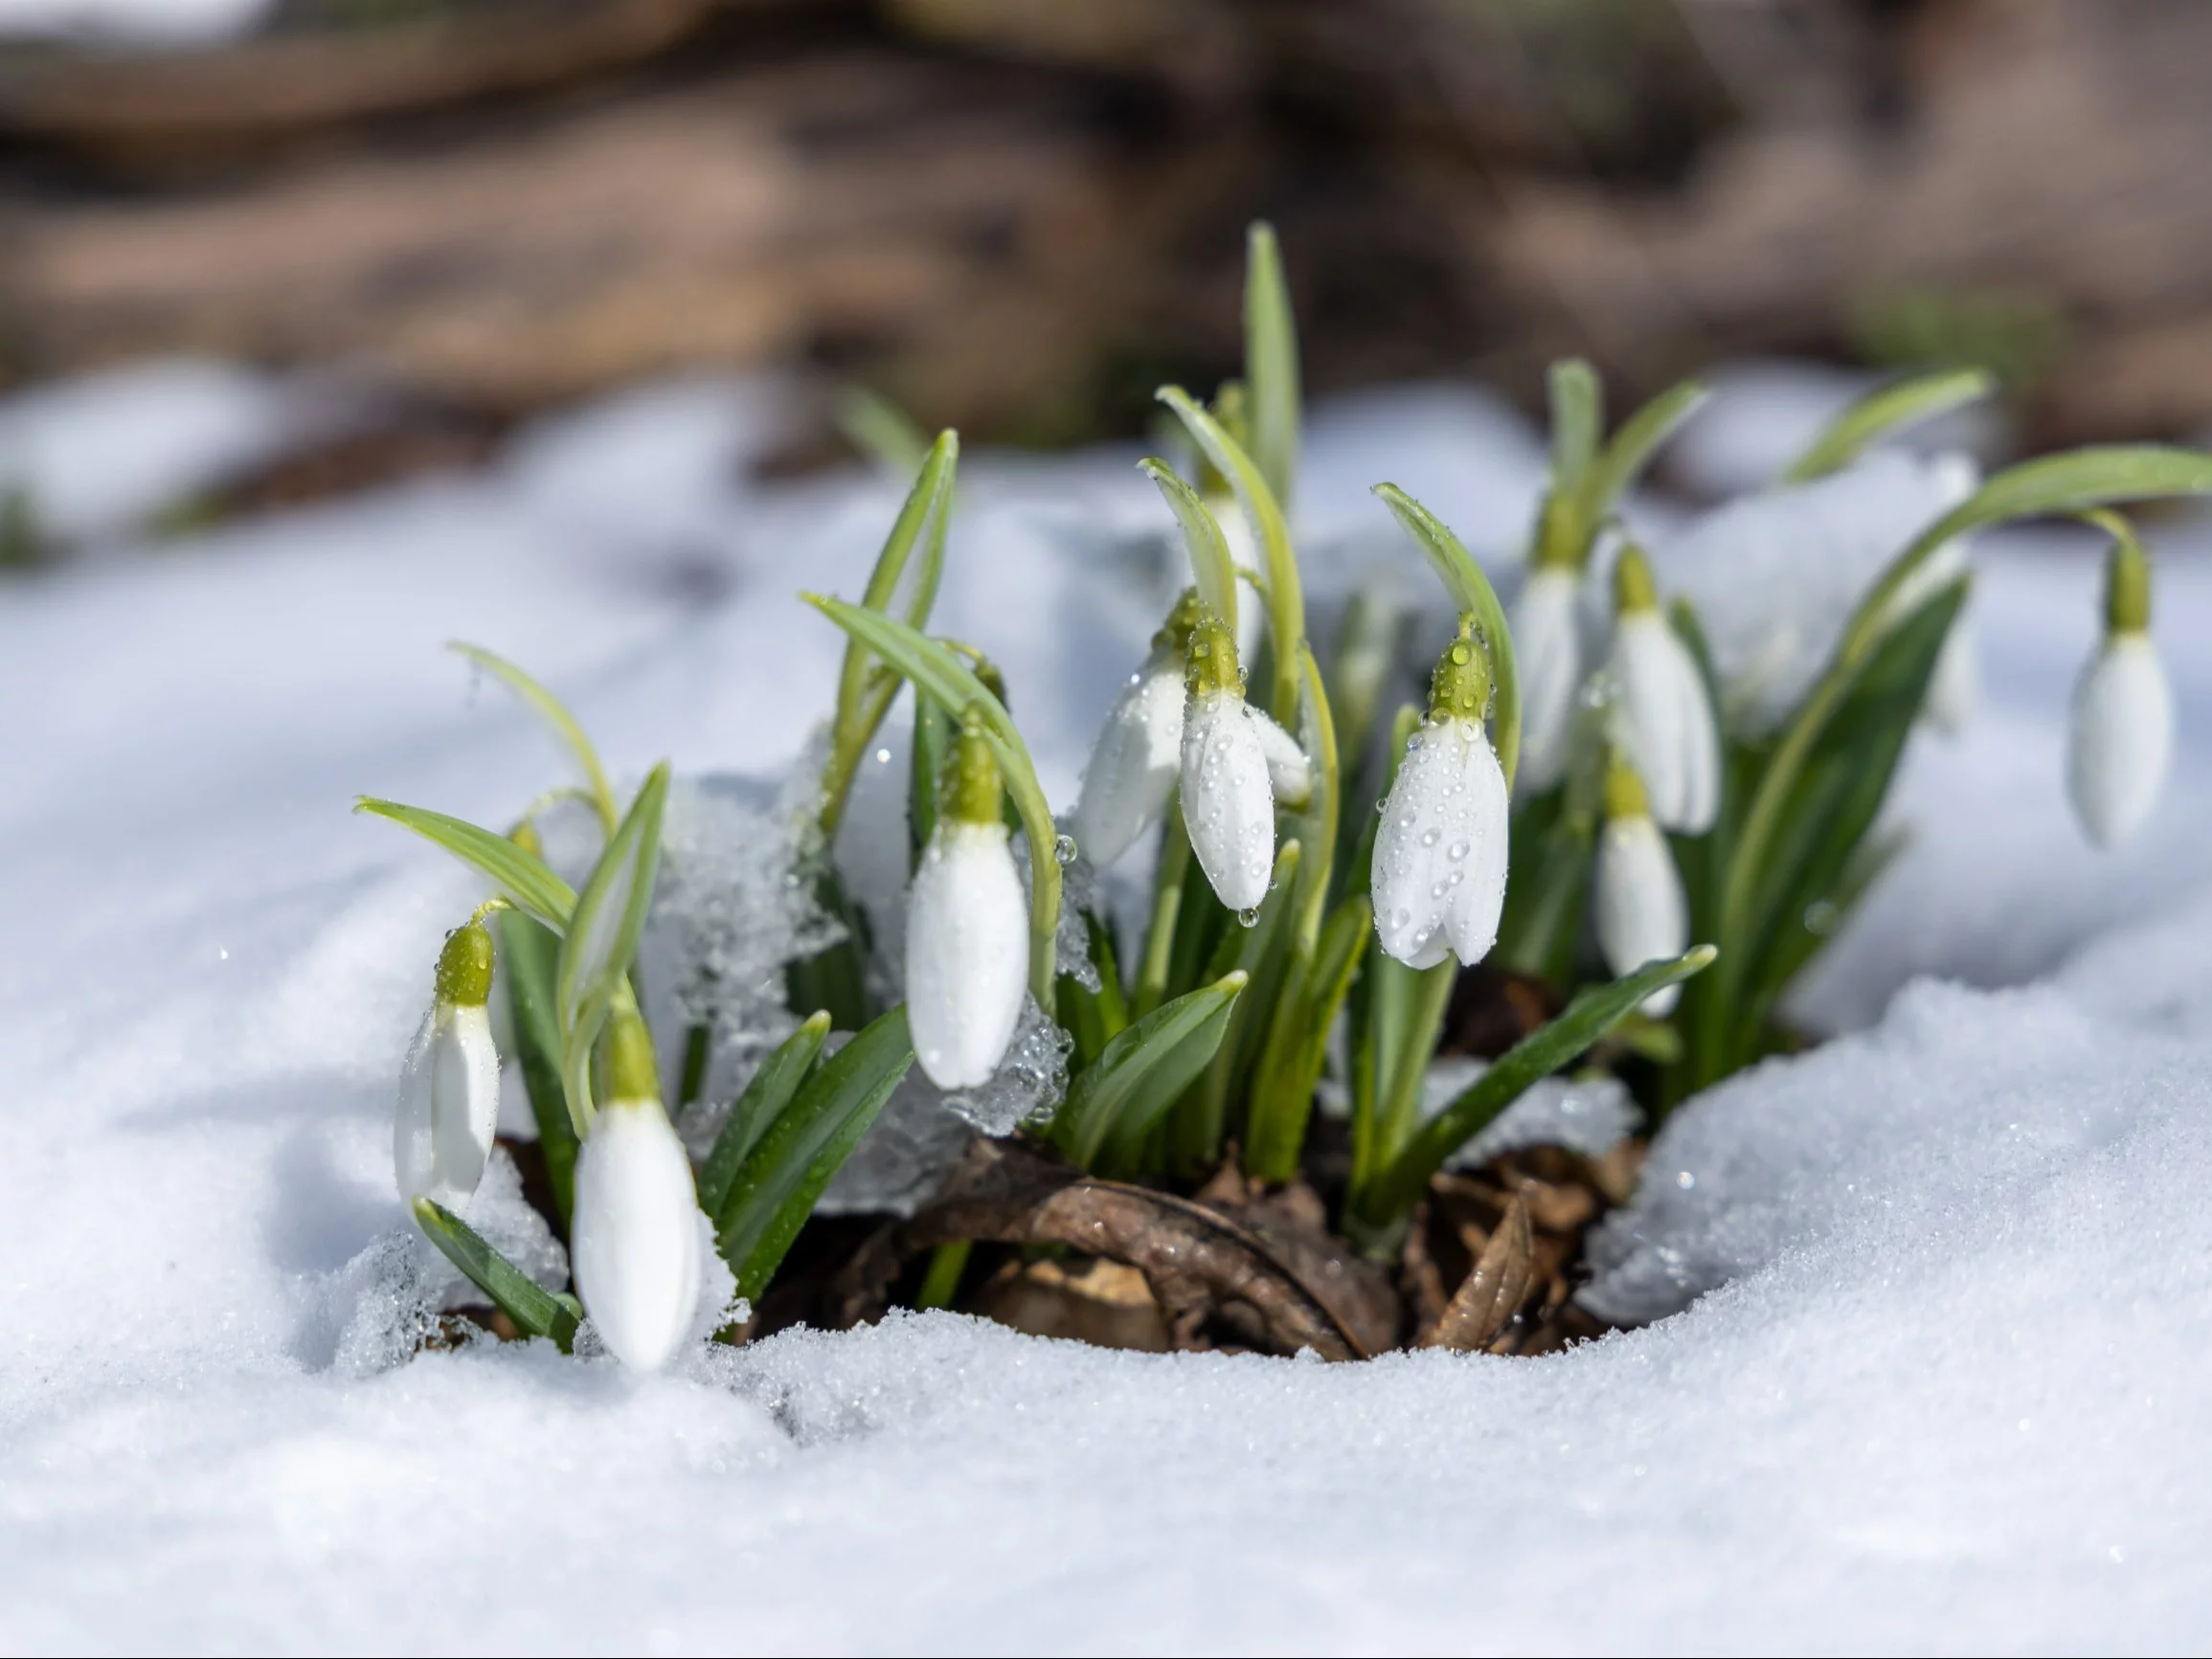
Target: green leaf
point(536, 1312)
point(1577, 421)
point(548, 708)
point(933, 727)
point(937, 673)
point(880, 430)
point(1472, 592)
point(762, 1103)
point(1633, 445)
point(610, 914)
point(901, 585)
point(1203, 1120)
point(774, 1190)
point(1886, 409)
point(1271, 361)
point(1538, 1055)
point(1093, 1018)
point(1286, 604)
point(529, 951)
point(1209, 558)
point(521, 876)
point(1144, 1069)
point(1282, 1097)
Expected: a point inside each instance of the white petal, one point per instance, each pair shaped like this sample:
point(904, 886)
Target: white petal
point(1289, 774)
point(2122, 741)
point(1666, 724)
point(1227, 800)
point(967, 953)
point(1438, 878)
point(635, 1245)
point(1548, 654)
point(1641, 914)
point(448, 1110)
point(1135, 762)
point(1955, 689)
point(1244, 553)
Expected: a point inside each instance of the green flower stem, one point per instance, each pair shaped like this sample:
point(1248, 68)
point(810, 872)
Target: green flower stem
point(1175, 861)
point(941, 1283)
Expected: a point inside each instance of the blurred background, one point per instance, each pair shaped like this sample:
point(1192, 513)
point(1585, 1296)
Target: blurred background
point(1017, 216)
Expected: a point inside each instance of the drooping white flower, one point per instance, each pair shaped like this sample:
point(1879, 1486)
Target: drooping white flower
point(967, 928)
point(2121, 743)
point(448, 1110)
point(1227, 792)
point(1664, 719)
point(1289, 772)
point(635, 1243)
point(1547, 653)
point(1642, 915)
point(1438, 878)
point(1135, 761)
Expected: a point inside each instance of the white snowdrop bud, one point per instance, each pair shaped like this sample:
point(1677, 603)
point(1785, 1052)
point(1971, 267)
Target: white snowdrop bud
point(1666, 721)
point(1243, 553)
point(968, 925)
point(1642, 915)
point(2122, 740)
point(635, 1243)
point(448, 1110)
point(1438, 877)
point(1228, 795)
point(1138, 754)
point(1547, 652)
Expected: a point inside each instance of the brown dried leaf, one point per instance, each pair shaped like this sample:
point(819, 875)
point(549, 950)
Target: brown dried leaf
point(1487, 1303)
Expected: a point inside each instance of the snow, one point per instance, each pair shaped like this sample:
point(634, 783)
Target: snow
point(134, 22)
point(1938, 1383)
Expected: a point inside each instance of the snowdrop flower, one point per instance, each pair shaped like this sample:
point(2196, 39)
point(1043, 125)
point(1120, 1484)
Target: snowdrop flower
point(1138, 755)
point(1439, 871)
point(1244, 553)
point(634, 1245)
point(1227, 791)
point(1641, 914)
point(968, 925)
point(2122, 740)
point(450, 1091)
point(1548, 650)
point(1666, 721)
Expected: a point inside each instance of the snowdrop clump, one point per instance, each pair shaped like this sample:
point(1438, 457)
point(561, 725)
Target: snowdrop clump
point(1663, 825)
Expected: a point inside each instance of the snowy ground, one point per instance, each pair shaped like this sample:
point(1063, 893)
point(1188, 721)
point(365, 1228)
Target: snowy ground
point(1947, 1390)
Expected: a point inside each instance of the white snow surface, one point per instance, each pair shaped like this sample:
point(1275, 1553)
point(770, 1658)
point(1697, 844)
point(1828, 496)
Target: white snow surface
point(1937, 1380)
point(140, 23)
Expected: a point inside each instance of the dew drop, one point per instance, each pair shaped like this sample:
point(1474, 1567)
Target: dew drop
point(1431, 837)
point(1457, 850)
point(1462, 654)
point(1383, 803)
point(1248, 917)
point(1064, 849)
point(1455, 877)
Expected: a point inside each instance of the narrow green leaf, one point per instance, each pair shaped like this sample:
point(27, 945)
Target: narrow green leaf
point(521, 876)
point(535, 1311)
point(610, 913)
point(771, 1091)
point(1633, 446)
point(1577, 421)
point(774, 1190)
point(1473, 594)
point(1209, 558)
point(1286, 604)
point(1884, 411)
point(1144, 1069)
point(1270, 362)
point(1203, 1119)
point(933, 727)
point(1282, 1102)
point(936, 672)
point(548, 708)
point(1538, 1055)
point(880, 430)
point(529, 951)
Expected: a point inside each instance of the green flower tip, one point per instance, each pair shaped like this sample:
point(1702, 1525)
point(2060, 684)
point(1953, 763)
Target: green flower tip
point(525, 836)
point(1624, 794)
point(2127, 587)
point(465, 967)
point(632, 1072)
point(1181, 623)
point(1209, 658)
point(1634, 591)
point(1459, 689)
point(1561, 542)
point(970, 789)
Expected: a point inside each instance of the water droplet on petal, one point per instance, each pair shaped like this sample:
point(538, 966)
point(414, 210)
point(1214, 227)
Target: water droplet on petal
point(1431, 837)
point(1249, 917)
point(1457, 850)
point(1064, 849)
